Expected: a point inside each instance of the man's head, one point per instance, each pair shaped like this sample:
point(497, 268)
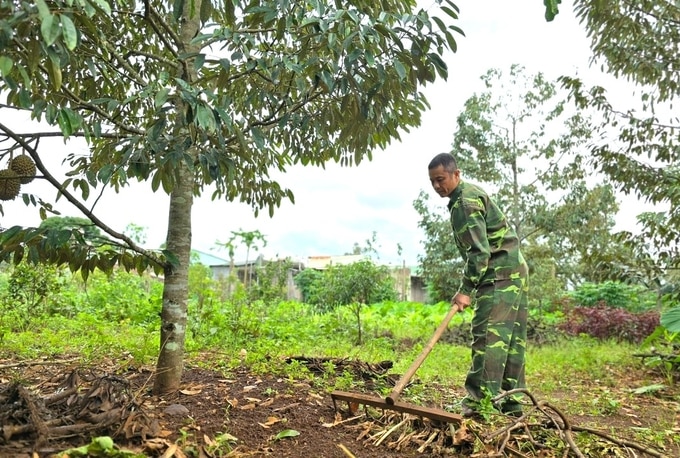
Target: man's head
point(444, 174)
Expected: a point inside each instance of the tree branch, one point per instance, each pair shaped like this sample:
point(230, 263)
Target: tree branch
point(169, 30)
point(75, 202)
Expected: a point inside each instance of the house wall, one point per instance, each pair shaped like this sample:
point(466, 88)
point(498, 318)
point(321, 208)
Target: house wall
point(418, 290)
point(408, 287)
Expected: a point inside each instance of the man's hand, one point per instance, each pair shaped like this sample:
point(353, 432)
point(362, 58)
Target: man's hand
point(461, 301)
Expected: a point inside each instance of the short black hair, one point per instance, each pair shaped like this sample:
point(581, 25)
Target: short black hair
point(444, 159)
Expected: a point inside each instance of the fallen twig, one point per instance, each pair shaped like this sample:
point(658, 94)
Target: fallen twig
point(619, 442)
point(289, 406)
point(37, 363)
point(36, 419)
point(346, 451)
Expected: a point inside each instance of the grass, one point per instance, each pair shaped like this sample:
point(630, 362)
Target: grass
point(396, 333)
point(581, 376)
point(88, 338)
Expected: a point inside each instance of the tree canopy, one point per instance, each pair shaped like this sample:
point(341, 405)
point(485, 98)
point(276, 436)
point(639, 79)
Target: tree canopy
point(520, 139)
point(637, 148)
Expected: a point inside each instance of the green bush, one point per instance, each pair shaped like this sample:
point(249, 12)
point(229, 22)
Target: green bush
point(633, 298)
point(272, 282)
point(122, 296)
point(28, 293)
point(309, 281)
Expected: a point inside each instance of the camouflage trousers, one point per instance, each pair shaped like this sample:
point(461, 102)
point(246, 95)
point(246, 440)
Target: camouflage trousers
point(499, 332)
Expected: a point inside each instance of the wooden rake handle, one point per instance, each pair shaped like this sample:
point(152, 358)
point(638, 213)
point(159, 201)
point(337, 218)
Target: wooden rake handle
point(404, 379)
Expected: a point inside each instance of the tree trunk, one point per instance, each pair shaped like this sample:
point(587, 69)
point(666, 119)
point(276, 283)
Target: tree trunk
point(176, 286)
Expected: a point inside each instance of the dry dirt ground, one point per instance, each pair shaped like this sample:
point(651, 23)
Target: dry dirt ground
point(47, 407)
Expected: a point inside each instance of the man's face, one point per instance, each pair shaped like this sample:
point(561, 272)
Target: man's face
point(444, 182)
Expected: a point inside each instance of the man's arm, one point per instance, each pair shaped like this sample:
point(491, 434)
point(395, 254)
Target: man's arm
point(473, 235)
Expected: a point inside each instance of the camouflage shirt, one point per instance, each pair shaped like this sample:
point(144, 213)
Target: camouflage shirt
point(486, 240)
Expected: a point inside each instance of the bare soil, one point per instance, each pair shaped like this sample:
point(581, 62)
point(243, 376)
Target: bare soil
point(47, 407)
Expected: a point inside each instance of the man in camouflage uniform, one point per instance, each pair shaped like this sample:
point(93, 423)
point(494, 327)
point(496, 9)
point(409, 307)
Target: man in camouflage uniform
point(495, 274)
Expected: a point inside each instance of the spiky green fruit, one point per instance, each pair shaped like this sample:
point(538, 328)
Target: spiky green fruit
point(9, 184)
point(24, 167)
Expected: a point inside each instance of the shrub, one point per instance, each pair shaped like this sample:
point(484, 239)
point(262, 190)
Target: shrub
point(122, 296)
point(309, 282)
point(29, 293)
point(634, 298)
point(602, 322)
point(272, 282)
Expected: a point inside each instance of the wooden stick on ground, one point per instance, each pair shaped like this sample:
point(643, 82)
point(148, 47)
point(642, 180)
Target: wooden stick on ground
point(37, 363)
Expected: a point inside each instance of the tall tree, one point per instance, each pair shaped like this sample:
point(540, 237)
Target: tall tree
point(637, 148)
point(205, 93)
point(440, 261)
point(518, 138)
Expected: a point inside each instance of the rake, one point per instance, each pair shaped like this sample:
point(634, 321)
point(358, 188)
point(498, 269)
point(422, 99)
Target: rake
point(391, 402)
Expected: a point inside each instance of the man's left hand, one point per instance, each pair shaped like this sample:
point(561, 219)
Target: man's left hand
point(461, 301)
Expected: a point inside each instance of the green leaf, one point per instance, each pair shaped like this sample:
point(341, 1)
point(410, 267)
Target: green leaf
point(104, 5)
point(671, 319)
point(205, 118)
point(69, 31)
point(551, 9)
point(50, 29)
point(258, 137)
point(43, 10)
point(156, 180)
point(64, 122)
point(6, 236)
point(649, 389)
point(199, 61)
point(100, 447)
point(172, 258)
point(206, 10)
point(450, 12)
point(54, 71)
point(6, 64)
point(401, 70)
point(161, 98)
point(286, 433)
point(177, 8)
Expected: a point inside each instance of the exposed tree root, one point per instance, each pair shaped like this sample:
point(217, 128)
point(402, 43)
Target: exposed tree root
point(78, 406)
point(37, 363)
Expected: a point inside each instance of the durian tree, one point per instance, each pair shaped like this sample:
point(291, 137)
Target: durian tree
point(638, 142)
point(192, 95)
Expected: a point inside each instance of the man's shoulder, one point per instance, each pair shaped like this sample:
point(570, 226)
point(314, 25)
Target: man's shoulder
point(472, 189)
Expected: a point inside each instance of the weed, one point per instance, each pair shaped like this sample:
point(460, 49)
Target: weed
point(270, 392)
point(606, 404)
point(221, 445)
point(329, 370)
point(185, 437)
point(345, 381)
point(486, 408)
point(663, 356)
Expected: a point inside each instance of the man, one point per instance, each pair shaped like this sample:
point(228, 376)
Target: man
point(495, 275)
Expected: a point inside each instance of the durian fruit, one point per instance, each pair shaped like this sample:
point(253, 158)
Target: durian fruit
point(24, 167)
point(9, 184)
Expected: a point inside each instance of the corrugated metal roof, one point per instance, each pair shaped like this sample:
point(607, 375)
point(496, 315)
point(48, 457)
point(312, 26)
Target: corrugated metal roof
point(208, 259)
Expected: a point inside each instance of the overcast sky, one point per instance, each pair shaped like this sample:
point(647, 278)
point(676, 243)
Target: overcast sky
point(338, 207)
